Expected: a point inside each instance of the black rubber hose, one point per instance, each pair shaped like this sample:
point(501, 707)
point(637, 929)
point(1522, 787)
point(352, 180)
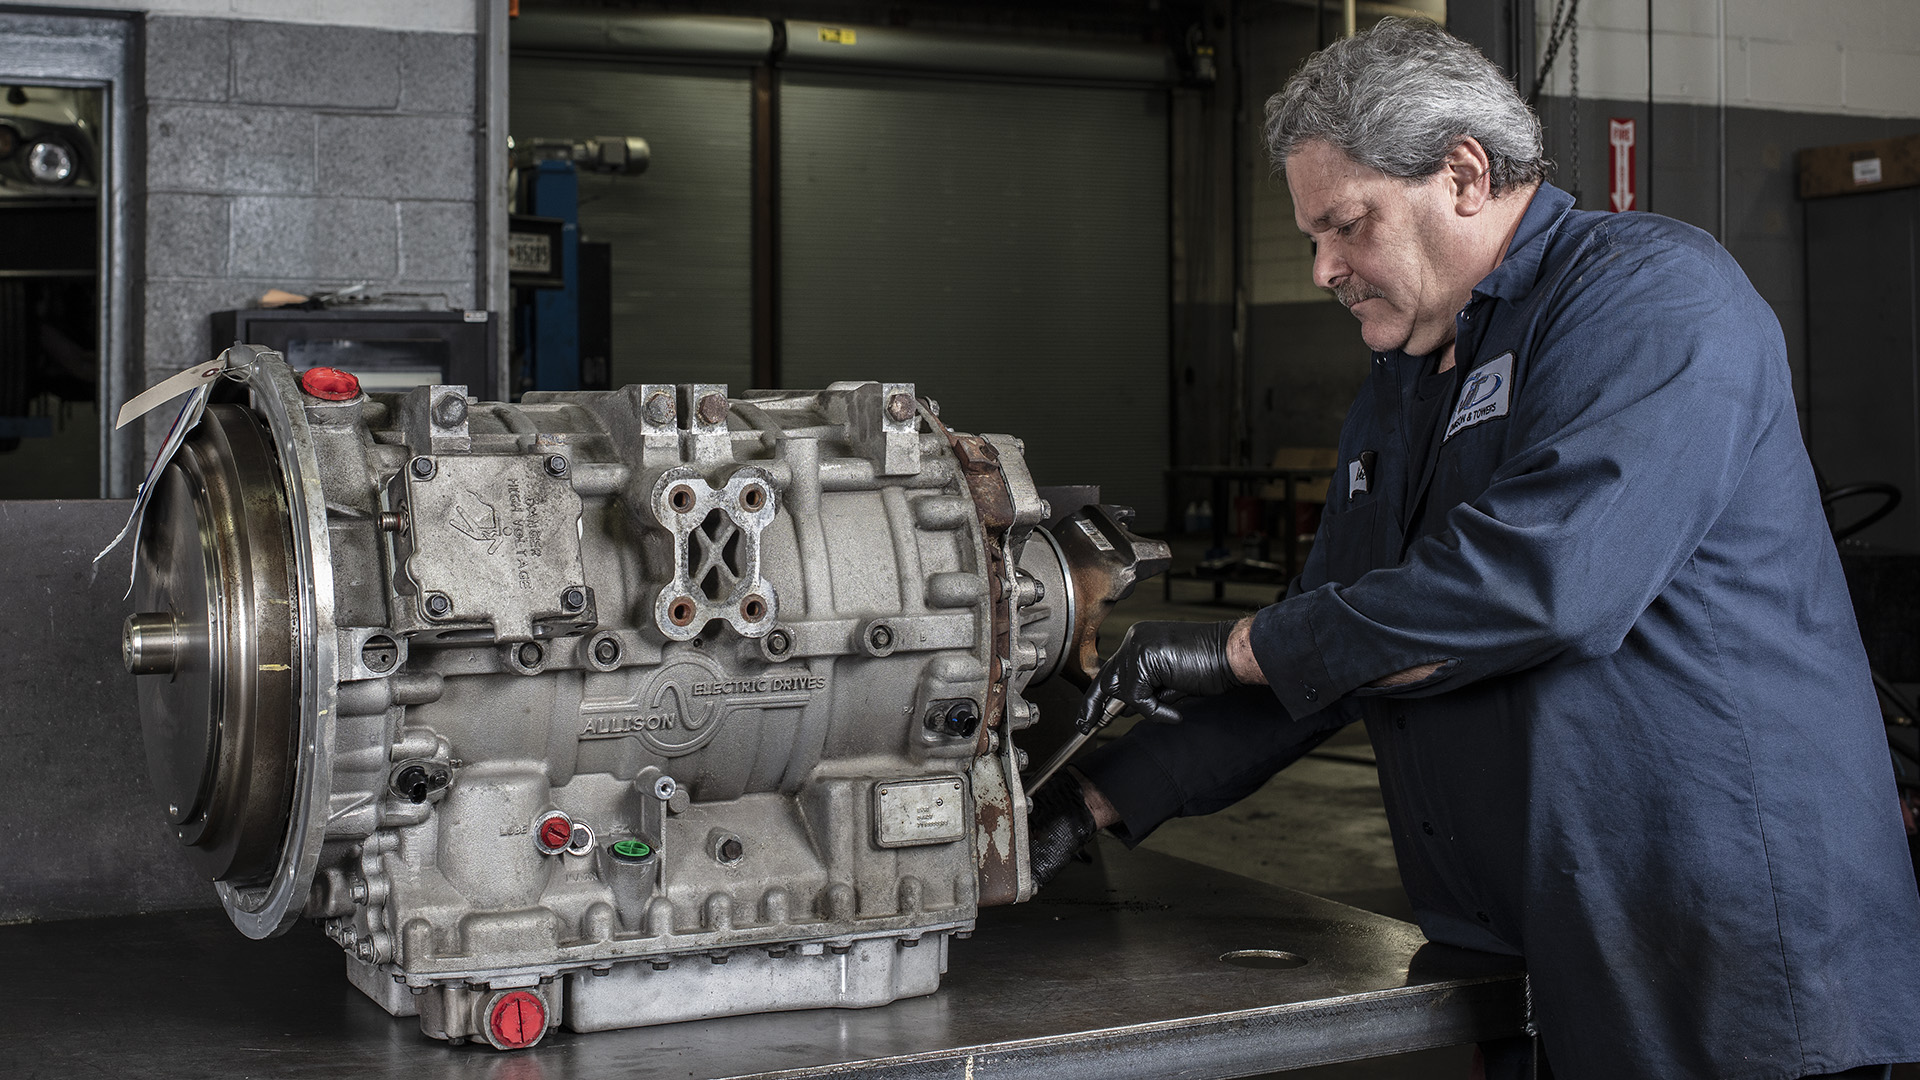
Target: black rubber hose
point(1831, 498)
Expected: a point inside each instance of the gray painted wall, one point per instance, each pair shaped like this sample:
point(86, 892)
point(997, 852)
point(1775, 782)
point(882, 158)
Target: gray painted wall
point(302, 157)
point(1766, 229)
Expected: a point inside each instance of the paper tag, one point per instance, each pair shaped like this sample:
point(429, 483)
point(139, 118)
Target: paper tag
point(1867, 171)
point(189, 416)
point(197, 383)
point(172, 387)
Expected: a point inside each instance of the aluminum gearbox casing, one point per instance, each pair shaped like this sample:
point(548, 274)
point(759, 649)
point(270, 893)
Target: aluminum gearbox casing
point(607, 709)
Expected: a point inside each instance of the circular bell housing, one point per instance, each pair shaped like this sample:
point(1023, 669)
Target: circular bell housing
point(214, 642)
point(233, 643)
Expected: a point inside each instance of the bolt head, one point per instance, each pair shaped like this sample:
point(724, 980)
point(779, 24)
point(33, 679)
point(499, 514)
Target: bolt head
point(779, 642)
point(556, 464)
point(573, 599)
point(530, 654)
point(606, 650)
point(556, 832)
point(713, 409)
point(450, 410)
point(881, 637)
point(423, 468)
point(438, 605)
point(900, 407)
point(659, 409)
point(958, 720)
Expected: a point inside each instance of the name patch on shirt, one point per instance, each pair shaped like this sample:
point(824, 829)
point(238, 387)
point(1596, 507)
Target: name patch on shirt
point(1488, 394)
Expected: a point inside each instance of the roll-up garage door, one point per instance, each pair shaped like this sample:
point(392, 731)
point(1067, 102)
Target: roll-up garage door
point(681, 231)
point(1002, 246)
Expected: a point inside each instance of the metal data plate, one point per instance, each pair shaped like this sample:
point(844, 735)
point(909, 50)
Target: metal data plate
point(499, 537)
point(909, 812)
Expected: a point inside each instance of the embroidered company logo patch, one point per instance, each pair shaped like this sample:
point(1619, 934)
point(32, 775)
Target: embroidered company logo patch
point(1488, 394)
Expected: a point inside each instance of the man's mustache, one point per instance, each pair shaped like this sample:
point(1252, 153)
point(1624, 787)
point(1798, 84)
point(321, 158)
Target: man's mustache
point(1353, 290)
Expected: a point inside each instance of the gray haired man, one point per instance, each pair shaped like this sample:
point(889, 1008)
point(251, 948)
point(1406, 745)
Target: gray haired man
point(1575, 578)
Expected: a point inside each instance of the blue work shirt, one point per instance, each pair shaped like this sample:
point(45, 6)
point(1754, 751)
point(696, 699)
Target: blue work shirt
point(1651, 761)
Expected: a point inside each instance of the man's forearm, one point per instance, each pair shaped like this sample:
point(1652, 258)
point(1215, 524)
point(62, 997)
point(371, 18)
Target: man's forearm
point(1247, 669)
point(1240, 654)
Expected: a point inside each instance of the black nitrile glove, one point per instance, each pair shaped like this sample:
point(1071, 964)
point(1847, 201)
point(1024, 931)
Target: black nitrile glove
point(1157, 664)
point(1058, 826)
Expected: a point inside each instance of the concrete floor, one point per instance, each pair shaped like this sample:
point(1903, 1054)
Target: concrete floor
point(1319, 826)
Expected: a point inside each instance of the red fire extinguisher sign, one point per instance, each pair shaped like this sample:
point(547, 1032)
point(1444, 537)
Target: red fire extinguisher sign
point(1620, 158)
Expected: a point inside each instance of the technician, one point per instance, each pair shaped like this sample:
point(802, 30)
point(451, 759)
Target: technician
point(1574, 576)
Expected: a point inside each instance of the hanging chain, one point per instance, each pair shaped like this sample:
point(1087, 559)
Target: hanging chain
point(1573, 86)
point(1564, 29)
point(1556, 31)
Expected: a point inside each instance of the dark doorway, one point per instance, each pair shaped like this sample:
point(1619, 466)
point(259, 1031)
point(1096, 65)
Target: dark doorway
point(52, 176)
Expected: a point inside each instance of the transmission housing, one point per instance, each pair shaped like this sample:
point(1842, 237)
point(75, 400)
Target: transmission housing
point(606, 709)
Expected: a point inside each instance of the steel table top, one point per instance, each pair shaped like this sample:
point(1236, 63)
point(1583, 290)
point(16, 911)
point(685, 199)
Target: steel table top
point(1113, 971)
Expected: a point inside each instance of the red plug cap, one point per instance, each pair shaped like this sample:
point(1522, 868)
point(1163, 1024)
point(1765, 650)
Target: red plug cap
point(329, 384)
point(556, 832)
point(518, 1020)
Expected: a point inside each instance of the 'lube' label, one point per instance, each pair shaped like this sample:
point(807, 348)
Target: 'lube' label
point(1488, 394)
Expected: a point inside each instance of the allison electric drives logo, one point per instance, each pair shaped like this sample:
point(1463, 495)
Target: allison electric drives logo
point(677, 707)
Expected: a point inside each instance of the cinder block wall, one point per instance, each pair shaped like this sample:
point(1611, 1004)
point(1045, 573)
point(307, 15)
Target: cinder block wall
point(304, 157)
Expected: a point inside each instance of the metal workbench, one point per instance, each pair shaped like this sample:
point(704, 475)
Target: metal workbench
point(1113, 972)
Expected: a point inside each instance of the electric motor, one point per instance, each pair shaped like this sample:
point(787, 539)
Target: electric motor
point(607, 709)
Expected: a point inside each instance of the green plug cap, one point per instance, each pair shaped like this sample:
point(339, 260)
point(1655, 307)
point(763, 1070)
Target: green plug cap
point(632, 849)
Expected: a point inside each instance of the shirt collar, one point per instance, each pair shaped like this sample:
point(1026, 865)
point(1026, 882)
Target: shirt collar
point(1514, 278)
